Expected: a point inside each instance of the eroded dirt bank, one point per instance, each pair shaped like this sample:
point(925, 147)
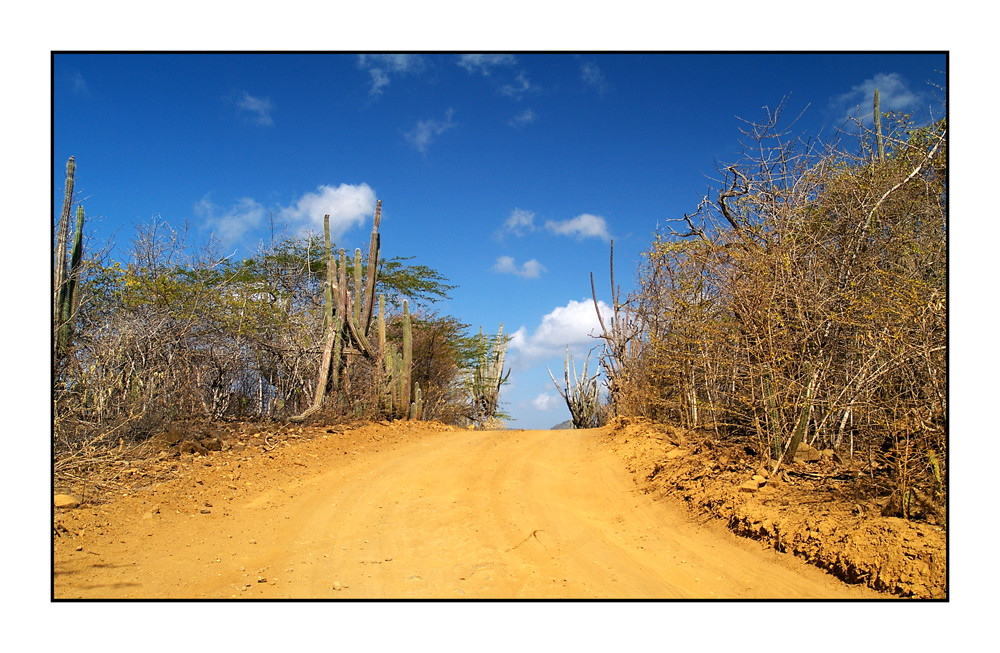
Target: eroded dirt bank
point(806, 510)
point(410, 511)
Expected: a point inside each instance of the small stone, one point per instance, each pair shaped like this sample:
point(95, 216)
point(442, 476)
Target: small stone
point(261, 579)
point(205, 511)
point(759, 480)
point(337, 586)
point(66, 501)
point(749, 486)
point(806, 454)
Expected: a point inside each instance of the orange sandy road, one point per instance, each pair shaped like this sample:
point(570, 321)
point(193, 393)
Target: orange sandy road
point(455, 515)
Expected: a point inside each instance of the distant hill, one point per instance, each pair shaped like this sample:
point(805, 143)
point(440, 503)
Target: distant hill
point(568, 424)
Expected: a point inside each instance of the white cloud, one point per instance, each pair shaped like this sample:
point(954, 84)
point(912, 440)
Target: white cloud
point(520, 222)
point(426, 131)
point(573, 324)
point(526, 117)
point(380, 66)
point(483, 62)
point(894, 95)
point(520, 86)
point(582, 226)
point(232, 224)
point(529, 270)
point(593, 76)
point(545, 401)
point(259, 108)
point(347, 204)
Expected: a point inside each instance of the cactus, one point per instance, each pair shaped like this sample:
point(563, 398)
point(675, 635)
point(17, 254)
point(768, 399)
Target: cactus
point(879, 146)
point(407, 371)
point(348, 309)
point(417, 407)
point(399, 369)
point(346, 317)
point(582, 397)
point(62, 237)
point(483, 381)
point(66, 298)
point(330, 269)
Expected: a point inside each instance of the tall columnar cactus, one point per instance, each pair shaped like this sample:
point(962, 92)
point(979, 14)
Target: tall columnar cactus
point(62, 237)
point(879, 146)
point(66, 298)
point(582, 396)
point(348, 311)
point(484, 380)
point(399, 370)
point(417, 407)
point(330, 271)
point(346, 316)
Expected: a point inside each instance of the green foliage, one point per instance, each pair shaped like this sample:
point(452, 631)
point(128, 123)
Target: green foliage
point(418, 283)
point(181, 334)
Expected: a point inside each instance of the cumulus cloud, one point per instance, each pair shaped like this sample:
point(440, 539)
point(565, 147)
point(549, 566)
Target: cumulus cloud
point(593, 76)
point(526, 117)
point(232, 224)
point(582, 226)
point(381, 66)
point(484, 62)
point(574, 324)
point(259, 108)
point(426, 131)
point(894, 95)
point(529, 270)
point(347, 204)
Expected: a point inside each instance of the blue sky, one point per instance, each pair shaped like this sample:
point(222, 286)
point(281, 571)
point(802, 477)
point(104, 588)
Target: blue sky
point(508, 173)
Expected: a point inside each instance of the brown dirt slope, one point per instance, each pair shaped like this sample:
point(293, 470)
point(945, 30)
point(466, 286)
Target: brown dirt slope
point(805, 510)
point(403, 510)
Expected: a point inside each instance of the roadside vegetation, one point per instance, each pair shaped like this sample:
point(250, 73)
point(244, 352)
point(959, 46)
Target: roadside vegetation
point(804, 303)
point(298, 331)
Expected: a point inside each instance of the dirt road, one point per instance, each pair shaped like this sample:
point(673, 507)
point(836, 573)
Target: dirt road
point(425, 514)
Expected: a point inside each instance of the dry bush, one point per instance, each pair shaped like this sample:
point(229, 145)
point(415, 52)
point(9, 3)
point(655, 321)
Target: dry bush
point(807, 304)
point(179, 333)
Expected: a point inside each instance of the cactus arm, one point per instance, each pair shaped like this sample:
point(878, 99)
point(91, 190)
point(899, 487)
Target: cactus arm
point(358, 291)
point(62, 237)
point(374, 250)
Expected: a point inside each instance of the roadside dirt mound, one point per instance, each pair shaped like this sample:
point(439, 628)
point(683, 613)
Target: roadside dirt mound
point(807, 509)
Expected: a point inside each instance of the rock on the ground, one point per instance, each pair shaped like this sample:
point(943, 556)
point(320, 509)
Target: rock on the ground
point(807, 454)
point(66, 501)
